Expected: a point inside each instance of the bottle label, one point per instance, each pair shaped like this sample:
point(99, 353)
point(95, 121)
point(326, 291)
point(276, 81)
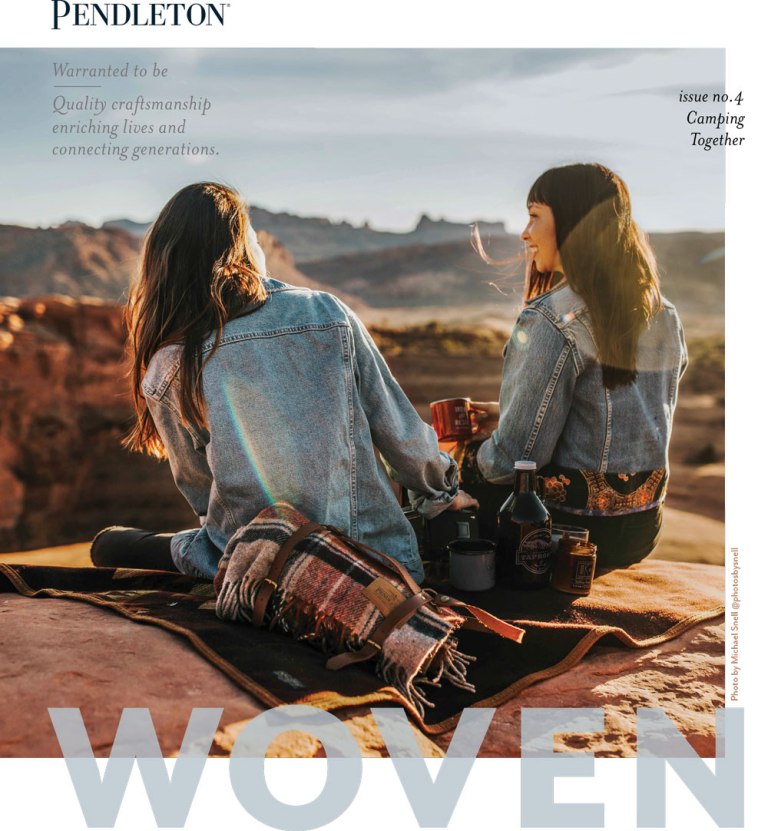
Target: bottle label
point(535, 551)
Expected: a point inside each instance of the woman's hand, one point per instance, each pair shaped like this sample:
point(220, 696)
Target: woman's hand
point(486, 418)
point(463, 500)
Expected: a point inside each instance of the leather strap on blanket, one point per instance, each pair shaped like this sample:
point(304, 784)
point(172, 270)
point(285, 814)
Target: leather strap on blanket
point(269, 583)
point(483, 620)
point(396, 618)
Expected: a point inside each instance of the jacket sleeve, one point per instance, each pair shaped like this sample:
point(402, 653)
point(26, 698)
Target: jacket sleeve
point(186, 455)
point(407, 444)
point(537, 387)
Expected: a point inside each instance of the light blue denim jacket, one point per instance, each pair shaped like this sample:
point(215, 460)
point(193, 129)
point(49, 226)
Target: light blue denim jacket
point(555, 409)
point(297, 398)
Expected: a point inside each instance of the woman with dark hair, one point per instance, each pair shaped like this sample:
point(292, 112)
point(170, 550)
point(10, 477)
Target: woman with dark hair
point(591, 369)
point(257, 391)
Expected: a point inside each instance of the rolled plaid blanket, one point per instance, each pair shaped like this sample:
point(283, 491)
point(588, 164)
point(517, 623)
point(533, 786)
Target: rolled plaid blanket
point(321, 598)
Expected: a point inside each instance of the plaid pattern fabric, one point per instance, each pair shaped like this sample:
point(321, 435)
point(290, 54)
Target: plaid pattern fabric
point(320, 600)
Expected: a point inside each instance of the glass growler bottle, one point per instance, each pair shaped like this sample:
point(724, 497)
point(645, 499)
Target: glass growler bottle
point(524, 542)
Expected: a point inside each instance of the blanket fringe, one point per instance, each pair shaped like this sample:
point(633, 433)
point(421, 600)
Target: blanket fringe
point(454, 665)
point(447, 663)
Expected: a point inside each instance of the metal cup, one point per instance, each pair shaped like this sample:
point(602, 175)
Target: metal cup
point(452, 419)
point(472, 564)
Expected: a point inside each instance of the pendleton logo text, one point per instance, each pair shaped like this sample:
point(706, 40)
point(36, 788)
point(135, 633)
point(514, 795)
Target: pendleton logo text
point(137, 14)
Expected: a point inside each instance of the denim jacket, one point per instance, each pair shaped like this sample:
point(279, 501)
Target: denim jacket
point(298, 397)
point(555, 409)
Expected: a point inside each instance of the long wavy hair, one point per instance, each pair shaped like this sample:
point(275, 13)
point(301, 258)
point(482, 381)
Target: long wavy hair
point(606, 258)
point(198, 270)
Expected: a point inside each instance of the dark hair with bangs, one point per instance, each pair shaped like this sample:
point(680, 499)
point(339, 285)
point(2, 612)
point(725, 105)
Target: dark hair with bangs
point(607, 260)
point(198, 270)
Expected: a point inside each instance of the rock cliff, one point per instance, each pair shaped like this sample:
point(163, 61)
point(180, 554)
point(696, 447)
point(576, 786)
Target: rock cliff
point(77, 260)
point(63, 410)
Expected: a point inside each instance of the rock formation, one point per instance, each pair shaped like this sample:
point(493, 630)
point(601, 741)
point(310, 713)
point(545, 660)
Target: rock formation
point(72, 259)
point(77, 260)
point(316, 237)
point(63, 410)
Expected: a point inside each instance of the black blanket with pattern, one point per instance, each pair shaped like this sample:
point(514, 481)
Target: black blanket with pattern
point(641, 606)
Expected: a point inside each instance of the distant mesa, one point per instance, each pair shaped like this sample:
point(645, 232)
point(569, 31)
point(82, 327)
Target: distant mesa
point(136, 228)
point(444, 273)
point(432, 267)
point(311, 238)
point(77, 260)
point(451, 275)
point(72, 259)
point(442, 228)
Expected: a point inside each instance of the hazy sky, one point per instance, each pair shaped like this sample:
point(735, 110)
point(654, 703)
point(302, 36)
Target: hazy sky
point(377, 135)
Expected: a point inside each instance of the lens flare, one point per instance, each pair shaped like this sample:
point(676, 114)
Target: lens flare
point(251, 450)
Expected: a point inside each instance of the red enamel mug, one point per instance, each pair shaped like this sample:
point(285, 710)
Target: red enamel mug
point(452, 419)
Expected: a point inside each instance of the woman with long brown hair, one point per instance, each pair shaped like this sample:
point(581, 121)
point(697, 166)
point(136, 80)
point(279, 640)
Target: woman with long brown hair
point(591, 368)
point(256, 391)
